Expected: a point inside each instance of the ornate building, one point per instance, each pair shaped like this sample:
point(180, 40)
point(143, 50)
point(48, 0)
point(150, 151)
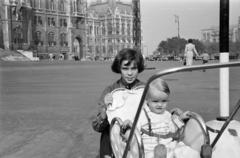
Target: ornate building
point(212, 34)
point(66, 27)
point(46, 26)
point(15, 24)
point(109, 26)
point(60, 27)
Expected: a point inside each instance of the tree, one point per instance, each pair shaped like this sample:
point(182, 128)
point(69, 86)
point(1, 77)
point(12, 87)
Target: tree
point(173, 46)
point(162, 47)
point(199, 45)
point(211, 48)
point(234, 49)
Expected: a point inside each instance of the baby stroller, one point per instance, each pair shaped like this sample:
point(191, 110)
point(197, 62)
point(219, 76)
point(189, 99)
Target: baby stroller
point(197, 134)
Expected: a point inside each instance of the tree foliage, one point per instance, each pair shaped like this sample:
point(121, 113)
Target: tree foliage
point(234, 47)
point(175, 47)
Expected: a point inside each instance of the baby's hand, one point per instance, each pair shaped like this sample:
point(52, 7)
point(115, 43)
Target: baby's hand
point(176, 111)
point(185, 115)
point(108, 99)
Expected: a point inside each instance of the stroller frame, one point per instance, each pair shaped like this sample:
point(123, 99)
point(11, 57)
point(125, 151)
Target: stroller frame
point(176, 70)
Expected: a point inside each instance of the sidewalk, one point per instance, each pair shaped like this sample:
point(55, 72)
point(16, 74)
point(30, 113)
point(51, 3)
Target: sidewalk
point(8, 55)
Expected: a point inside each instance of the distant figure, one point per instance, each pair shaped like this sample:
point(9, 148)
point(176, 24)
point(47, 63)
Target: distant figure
point(189, 52)
point(61, 57)
point(51, 56)
point(205, 58)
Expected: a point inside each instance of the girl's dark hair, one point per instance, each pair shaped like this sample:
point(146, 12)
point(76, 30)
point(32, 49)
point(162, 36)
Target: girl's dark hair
point(129, 55)
point(190, 41)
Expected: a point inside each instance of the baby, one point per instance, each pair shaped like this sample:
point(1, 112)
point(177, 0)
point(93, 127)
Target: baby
point(160, 130)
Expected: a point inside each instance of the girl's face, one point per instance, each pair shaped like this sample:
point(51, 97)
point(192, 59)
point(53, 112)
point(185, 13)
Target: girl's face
point(129, 72)
point(157, 103)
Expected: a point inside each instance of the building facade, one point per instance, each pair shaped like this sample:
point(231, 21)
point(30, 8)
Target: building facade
point(15, 25)
point(60, 27)
point(109, 27)
point(46, 26)
point(69, 28)
point(212, 34)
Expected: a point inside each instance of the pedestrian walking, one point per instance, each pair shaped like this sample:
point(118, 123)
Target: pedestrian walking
point(205, 58)
point(190, 50)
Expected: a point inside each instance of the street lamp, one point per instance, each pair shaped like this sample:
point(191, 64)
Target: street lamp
point(146, 48)
point(177, 21)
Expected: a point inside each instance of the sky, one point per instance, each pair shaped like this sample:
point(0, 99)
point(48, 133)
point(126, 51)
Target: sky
point(158, 21)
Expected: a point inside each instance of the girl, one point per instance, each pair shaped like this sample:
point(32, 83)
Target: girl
point(129, 63)
point(189, 52)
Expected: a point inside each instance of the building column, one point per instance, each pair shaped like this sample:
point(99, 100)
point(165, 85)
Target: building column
point(6, 35)
point(69, 29)
point(93, 38)
point(106, 37)
point(85, 45)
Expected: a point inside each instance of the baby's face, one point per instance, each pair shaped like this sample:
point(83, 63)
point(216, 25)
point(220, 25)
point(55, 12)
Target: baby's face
point(157, 103)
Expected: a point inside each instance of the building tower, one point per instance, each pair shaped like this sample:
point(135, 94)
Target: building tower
point(109, 28)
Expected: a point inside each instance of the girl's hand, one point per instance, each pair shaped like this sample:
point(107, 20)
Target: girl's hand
point(103, 113)
point(108, 99)
point(126, 124)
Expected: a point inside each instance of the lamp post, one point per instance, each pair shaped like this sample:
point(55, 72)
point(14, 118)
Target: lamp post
point(177, 21)
point(146, 48)
point(224, 57)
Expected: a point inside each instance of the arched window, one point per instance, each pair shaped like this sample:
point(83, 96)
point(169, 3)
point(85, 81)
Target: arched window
point(51, 7)
point(103, 30)
point(37, 4)
point(62, 5)
point(17, 34)
point(63, 39)
point(123, 28)
point(62, 22)
point(74, 6)
point(79, 5)
point(51, 21)
point(109, 26)
point(38, 36)
point(51, 41)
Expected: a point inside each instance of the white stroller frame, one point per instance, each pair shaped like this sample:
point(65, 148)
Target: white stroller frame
point(193, 115)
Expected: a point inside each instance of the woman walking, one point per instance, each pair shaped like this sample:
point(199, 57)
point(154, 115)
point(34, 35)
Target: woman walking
point(189, 52)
